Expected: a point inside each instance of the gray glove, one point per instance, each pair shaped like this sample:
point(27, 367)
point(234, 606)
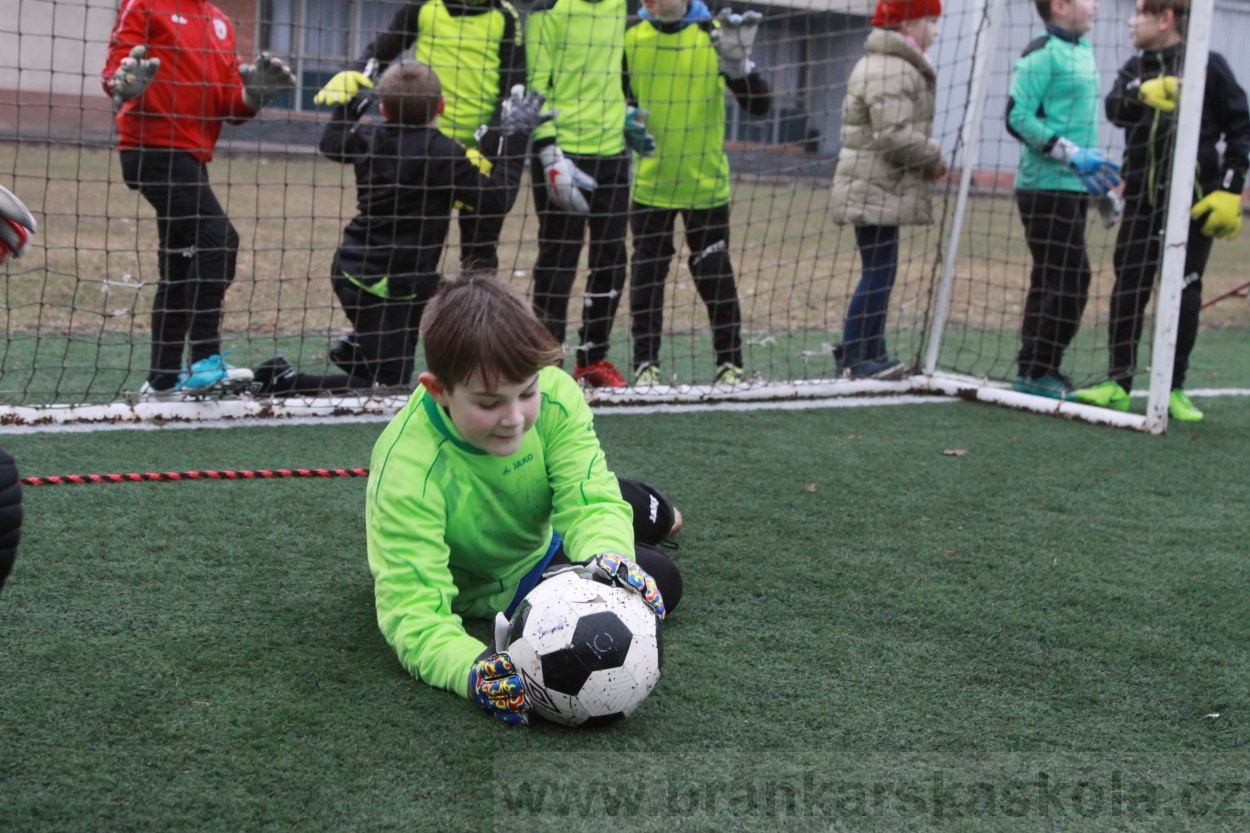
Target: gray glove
point(265, 80)
point(522, 111)
point(733, 37)
point(133, 75)
point(565, 181)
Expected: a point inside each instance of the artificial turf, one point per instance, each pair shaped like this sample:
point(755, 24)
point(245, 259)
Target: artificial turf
point(1047, 632)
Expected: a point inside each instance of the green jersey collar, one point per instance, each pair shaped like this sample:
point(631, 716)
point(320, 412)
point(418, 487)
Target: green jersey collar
point(446, 427)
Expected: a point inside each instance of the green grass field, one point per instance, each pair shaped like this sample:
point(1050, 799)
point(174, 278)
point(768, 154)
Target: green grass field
point(1046, 633)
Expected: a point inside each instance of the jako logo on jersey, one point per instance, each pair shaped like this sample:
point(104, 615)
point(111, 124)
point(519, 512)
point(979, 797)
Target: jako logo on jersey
point(655, 507)
point(178, 18)
point(219, 26)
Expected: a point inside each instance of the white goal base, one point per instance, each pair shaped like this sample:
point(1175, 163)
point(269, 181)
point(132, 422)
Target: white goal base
point(248, 411)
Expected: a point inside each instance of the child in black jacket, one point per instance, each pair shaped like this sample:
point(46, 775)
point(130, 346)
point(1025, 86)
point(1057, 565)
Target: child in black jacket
point(1143, 102)
point(409, 176)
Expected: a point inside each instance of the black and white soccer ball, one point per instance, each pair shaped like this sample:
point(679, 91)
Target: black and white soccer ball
point(588, 653)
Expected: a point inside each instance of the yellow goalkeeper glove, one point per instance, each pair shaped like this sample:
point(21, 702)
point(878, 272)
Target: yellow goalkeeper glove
point(1223, 214)
point(1160, 93)
point(343, 87)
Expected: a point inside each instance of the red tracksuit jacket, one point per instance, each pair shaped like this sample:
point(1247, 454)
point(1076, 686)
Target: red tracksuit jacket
point(198, 85)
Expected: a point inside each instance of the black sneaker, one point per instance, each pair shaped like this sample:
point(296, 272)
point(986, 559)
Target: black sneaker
point(273, 376)
point(345, 354)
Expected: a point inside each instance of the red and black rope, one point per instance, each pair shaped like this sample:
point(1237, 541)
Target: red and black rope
point(178, 476)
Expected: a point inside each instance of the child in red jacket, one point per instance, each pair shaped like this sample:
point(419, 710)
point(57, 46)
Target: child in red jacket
point(175, 78)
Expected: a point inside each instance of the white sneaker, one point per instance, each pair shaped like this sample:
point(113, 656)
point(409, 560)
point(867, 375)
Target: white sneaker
point(147, 393)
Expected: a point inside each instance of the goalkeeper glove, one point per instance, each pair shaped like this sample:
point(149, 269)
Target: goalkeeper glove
point(1110, 207)
point(522, 112)
point(1098, 173)
point(565, 181)
point(1222, 210)
point(343, 87)
point(265, 80)
point(732, 38)
point(16, 225)
point(636, 135)
point(133, 75)
point(1160, 93)
point(494, 683)
point(614, 568)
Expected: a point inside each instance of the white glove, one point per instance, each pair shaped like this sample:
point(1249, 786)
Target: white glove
point(16, 225)
point(565, 181)
point(733, 38)
point(133, 75)
point(265, 80)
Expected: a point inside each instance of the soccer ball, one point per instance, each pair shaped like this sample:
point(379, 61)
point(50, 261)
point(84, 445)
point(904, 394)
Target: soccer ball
point(588, 653)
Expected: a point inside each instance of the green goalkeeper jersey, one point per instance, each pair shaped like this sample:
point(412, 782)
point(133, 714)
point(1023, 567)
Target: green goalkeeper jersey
point(452, 530)
point(677, 77)
point(1054, 95)
point(573, 49)
point(464, 50)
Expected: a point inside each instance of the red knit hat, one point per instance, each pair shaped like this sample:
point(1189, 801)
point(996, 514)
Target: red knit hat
point(894, 12)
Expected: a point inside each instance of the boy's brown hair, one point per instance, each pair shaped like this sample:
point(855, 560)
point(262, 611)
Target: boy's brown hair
point(410, 92)
point(1179, 9)
point(1043, 9)
point(479, 324)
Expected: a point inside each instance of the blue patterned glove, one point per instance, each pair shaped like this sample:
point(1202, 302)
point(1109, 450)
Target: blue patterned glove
point(1098, 173)
point(494, 683)
point(614, 568)
point(636, 136)
point(495, 686)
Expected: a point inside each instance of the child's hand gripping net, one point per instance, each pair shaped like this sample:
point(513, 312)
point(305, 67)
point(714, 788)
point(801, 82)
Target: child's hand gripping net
point(265, 80)
point(733, 38)
point(133, 75)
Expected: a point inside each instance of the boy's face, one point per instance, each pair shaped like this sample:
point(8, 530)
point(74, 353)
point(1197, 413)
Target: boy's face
point(1075, 16)
point(668, 11)
point(495, 420)
point(1151, 31)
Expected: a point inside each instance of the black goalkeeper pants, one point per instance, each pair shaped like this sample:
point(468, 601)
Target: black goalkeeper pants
point(1138, 256)
point(653, 520)
point(561, 235)
point(1054, 227)
point(386, 329)
point(707, 235)
point(479, 240)
point(197, 255)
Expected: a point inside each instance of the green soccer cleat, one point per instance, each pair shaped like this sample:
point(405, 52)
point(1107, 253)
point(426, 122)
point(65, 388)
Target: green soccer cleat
point(729, 375)
point(1109, 394)
point(648, 376)
point(1181, 409)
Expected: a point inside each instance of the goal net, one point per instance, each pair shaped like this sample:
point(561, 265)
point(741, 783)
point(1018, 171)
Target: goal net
point(77, 311)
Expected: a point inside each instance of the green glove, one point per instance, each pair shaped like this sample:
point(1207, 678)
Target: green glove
point(343, 87)
point(1160, 93)
point(1223, 214)
point(265, 80)
point(133, 75)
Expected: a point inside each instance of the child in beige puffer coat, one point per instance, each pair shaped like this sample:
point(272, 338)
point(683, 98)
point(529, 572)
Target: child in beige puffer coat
point(886, 168)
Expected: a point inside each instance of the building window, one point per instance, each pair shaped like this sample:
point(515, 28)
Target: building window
point(319, 38)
